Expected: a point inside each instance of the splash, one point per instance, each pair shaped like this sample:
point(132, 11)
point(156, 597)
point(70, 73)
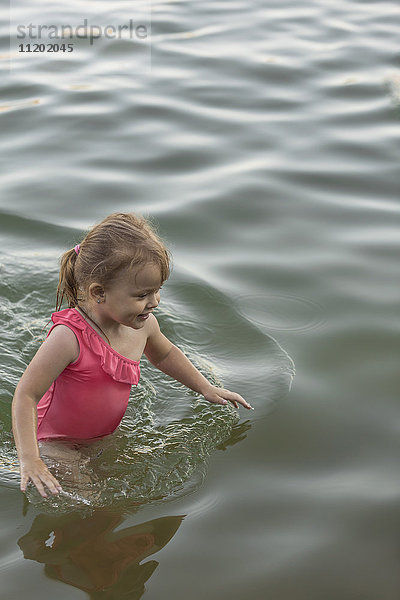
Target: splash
point(146, 460)
point(163, 446)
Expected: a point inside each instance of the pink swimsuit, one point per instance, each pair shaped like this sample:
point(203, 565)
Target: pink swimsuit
point(89, 398)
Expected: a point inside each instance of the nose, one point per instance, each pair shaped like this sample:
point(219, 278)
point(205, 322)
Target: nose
point(153, 300)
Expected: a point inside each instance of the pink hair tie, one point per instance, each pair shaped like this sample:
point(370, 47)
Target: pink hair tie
point(77, 248)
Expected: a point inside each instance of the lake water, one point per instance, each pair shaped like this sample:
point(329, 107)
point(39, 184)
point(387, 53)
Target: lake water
point(263, 140)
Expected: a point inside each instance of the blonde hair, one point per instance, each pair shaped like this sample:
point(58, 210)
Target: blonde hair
point(120, 241)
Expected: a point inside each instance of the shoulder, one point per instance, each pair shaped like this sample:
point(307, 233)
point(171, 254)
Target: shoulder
point(62, 338)
point(59, 350)
point(157, 345)
point(152, 327)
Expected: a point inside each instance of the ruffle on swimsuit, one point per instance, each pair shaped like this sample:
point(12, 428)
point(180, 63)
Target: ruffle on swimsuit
point(90, 396)
point(119, 367)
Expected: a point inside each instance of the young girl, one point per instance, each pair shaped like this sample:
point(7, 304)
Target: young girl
point(77, 386)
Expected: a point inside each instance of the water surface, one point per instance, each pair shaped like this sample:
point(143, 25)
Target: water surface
point(263, 140)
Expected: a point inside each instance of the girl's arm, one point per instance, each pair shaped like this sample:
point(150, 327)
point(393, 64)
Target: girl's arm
point(170, 360)
point(57, 352)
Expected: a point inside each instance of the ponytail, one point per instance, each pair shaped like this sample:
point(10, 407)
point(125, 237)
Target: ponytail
point(67, 284)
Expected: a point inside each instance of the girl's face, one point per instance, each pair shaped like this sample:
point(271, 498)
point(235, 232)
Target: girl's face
point(133, 296)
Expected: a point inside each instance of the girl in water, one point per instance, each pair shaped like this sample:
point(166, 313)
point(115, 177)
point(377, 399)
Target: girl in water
point(76, 388)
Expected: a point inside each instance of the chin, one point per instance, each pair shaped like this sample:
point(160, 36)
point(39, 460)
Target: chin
point(137, 324)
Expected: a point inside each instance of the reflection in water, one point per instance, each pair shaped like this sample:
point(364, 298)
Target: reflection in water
point(239, 433)
point(89, 554)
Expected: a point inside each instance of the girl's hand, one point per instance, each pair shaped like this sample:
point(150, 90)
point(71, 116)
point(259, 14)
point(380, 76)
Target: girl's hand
point(35, 470)
point(218, 395)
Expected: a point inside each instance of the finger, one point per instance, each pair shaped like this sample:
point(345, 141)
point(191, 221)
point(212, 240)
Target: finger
point(235, 404)
point(24, 483)
point(221, 401)
point(224, 401)
point(237, 398)
point(50, 481)
point(53, 485)
point(245, 404)
point(39, 486)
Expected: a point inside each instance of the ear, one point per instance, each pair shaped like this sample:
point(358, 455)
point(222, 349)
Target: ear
point(96, 292)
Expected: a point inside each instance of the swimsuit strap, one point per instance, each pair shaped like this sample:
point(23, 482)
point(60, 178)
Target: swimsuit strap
point(98, 326)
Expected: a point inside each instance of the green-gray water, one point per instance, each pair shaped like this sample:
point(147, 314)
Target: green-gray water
point(262, 138)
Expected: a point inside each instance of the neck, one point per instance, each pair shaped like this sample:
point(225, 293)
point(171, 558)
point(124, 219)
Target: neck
point(87, 313)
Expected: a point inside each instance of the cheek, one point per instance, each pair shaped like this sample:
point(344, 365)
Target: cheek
point(139, 305)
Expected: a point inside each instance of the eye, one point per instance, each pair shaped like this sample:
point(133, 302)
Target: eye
point(141, 296)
